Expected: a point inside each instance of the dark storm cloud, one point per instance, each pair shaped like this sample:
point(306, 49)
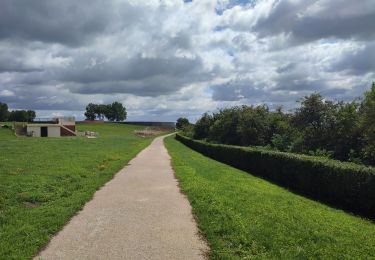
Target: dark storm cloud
point(90, 70)
point(239, 89)
point(247, 91)
point(359, 62)
point(67, 22)
point(297, 77)
point(14, 61)
point(153, 87)
point(290, 79)
point(225, 92)
point(30, 78)
point(136, 68)
point(40, 98)
point(306, 21)
point(293, 83)
point(138, 75)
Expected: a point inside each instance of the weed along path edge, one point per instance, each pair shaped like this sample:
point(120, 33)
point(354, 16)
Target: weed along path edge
point(139, 214)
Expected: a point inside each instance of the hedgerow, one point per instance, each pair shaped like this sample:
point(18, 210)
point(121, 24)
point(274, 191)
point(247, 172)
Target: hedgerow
point(341, 184)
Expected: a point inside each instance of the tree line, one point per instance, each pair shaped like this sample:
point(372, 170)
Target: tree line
point(15, 115)
point(321, 127)
point(113, 112)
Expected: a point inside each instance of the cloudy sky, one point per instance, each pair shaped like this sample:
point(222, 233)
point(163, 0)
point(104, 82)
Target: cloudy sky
point(168, 58)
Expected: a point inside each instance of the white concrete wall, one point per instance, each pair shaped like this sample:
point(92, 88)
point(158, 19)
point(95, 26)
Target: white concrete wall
point(35, 129)
point(67, 121)
point(54, 131)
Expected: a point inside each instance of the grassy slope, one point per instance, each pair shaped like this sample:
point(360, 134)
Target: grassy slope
point(45, 181)
point(242, 216)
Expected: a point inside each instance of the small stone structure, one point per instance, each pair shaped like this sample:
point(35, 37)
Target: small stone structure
point(63, 126)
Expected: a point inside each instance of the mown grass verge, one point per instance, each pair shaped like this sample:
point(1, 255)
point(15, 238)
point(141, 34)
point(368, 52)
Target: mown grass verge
point(344, 185)
point(243, 216)
point(45, 181)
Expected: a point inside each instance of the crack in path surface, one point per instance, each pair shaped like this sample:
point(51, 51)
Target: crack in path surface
point(139, 214)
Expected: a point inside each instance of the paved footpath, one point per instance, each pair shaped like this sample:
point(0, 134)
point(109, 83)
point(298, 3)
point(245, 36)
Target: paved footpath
point(139, 214)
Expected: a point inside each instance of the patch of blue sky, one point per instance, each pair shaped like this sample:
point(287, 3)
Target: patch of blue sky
point(219, 28)
point(230, 53)
point(232, 3)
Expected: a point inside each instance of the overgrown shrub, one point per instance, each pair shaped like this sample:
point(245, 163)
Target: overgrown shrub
point(280, 142)
point(188, 130)
point(368, 125)
point(202, 126)
point(341, 184)
point(224, 127)
point(182, 122)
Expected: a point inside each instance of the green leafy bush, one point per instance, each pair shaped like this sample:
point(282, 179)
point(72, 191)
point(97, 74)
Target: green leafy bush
point(188, 130)
point(321, 153)
point(341, 184)
point(280, 142)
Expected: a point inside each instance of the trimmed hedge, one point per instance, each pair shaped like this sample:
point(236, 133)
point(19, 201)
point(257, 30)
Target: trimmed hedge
point(341, 184)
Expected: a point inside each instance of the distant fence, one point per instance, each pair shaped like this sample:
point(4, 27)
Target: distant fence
point(45, 120)
point(145, 123)
point(142, 123)
point(91, 122)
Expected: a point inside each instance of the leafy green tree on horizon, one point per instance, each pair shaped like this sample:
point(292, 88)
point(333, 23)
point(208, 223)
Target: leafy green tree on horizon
point(90, 113)
point(16, 115)
point(4, 113)
point(101, 111)
point(113, 112)
point(30, 115)
point(202, 126)
point(182, 122)
point(116, 112)
point(22, 116)
point(367, 111)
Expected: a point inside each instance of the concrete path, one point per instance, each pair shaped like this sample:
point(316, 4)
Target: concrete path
point(139, 214)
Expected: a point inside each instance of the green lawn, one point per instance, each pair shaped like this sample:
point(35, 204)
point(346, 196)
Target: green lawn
point(45, 181)
point(243, 216)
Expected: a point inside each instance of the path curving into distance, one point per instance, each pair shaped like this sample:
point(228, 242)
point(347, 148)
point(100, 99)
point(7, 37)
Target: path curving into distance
point(139, 214)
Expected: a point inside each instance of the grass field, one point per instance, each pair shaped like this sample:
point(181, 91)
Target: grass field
point(244, 217)
point(45, 181)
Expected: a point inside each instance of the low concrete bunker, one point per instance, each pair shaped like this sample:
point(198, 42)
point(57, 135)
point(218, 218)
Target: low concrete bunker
point(63, 126)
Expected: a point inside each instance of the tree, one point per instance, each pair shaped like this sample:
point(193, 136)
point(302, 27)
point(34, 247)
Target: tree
point(181, 123)
point(188, 130)
point(90, 113)
point(202, 126)
point(346, 133)
point(30, 115)
point(367, 111)
point(113, 112)
point(116, 112)
point(100, 111)
point(281, 133)
point(18, 116)
point(4, 113)
point(224, 127)
point(253, 125)
point(315, 119)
